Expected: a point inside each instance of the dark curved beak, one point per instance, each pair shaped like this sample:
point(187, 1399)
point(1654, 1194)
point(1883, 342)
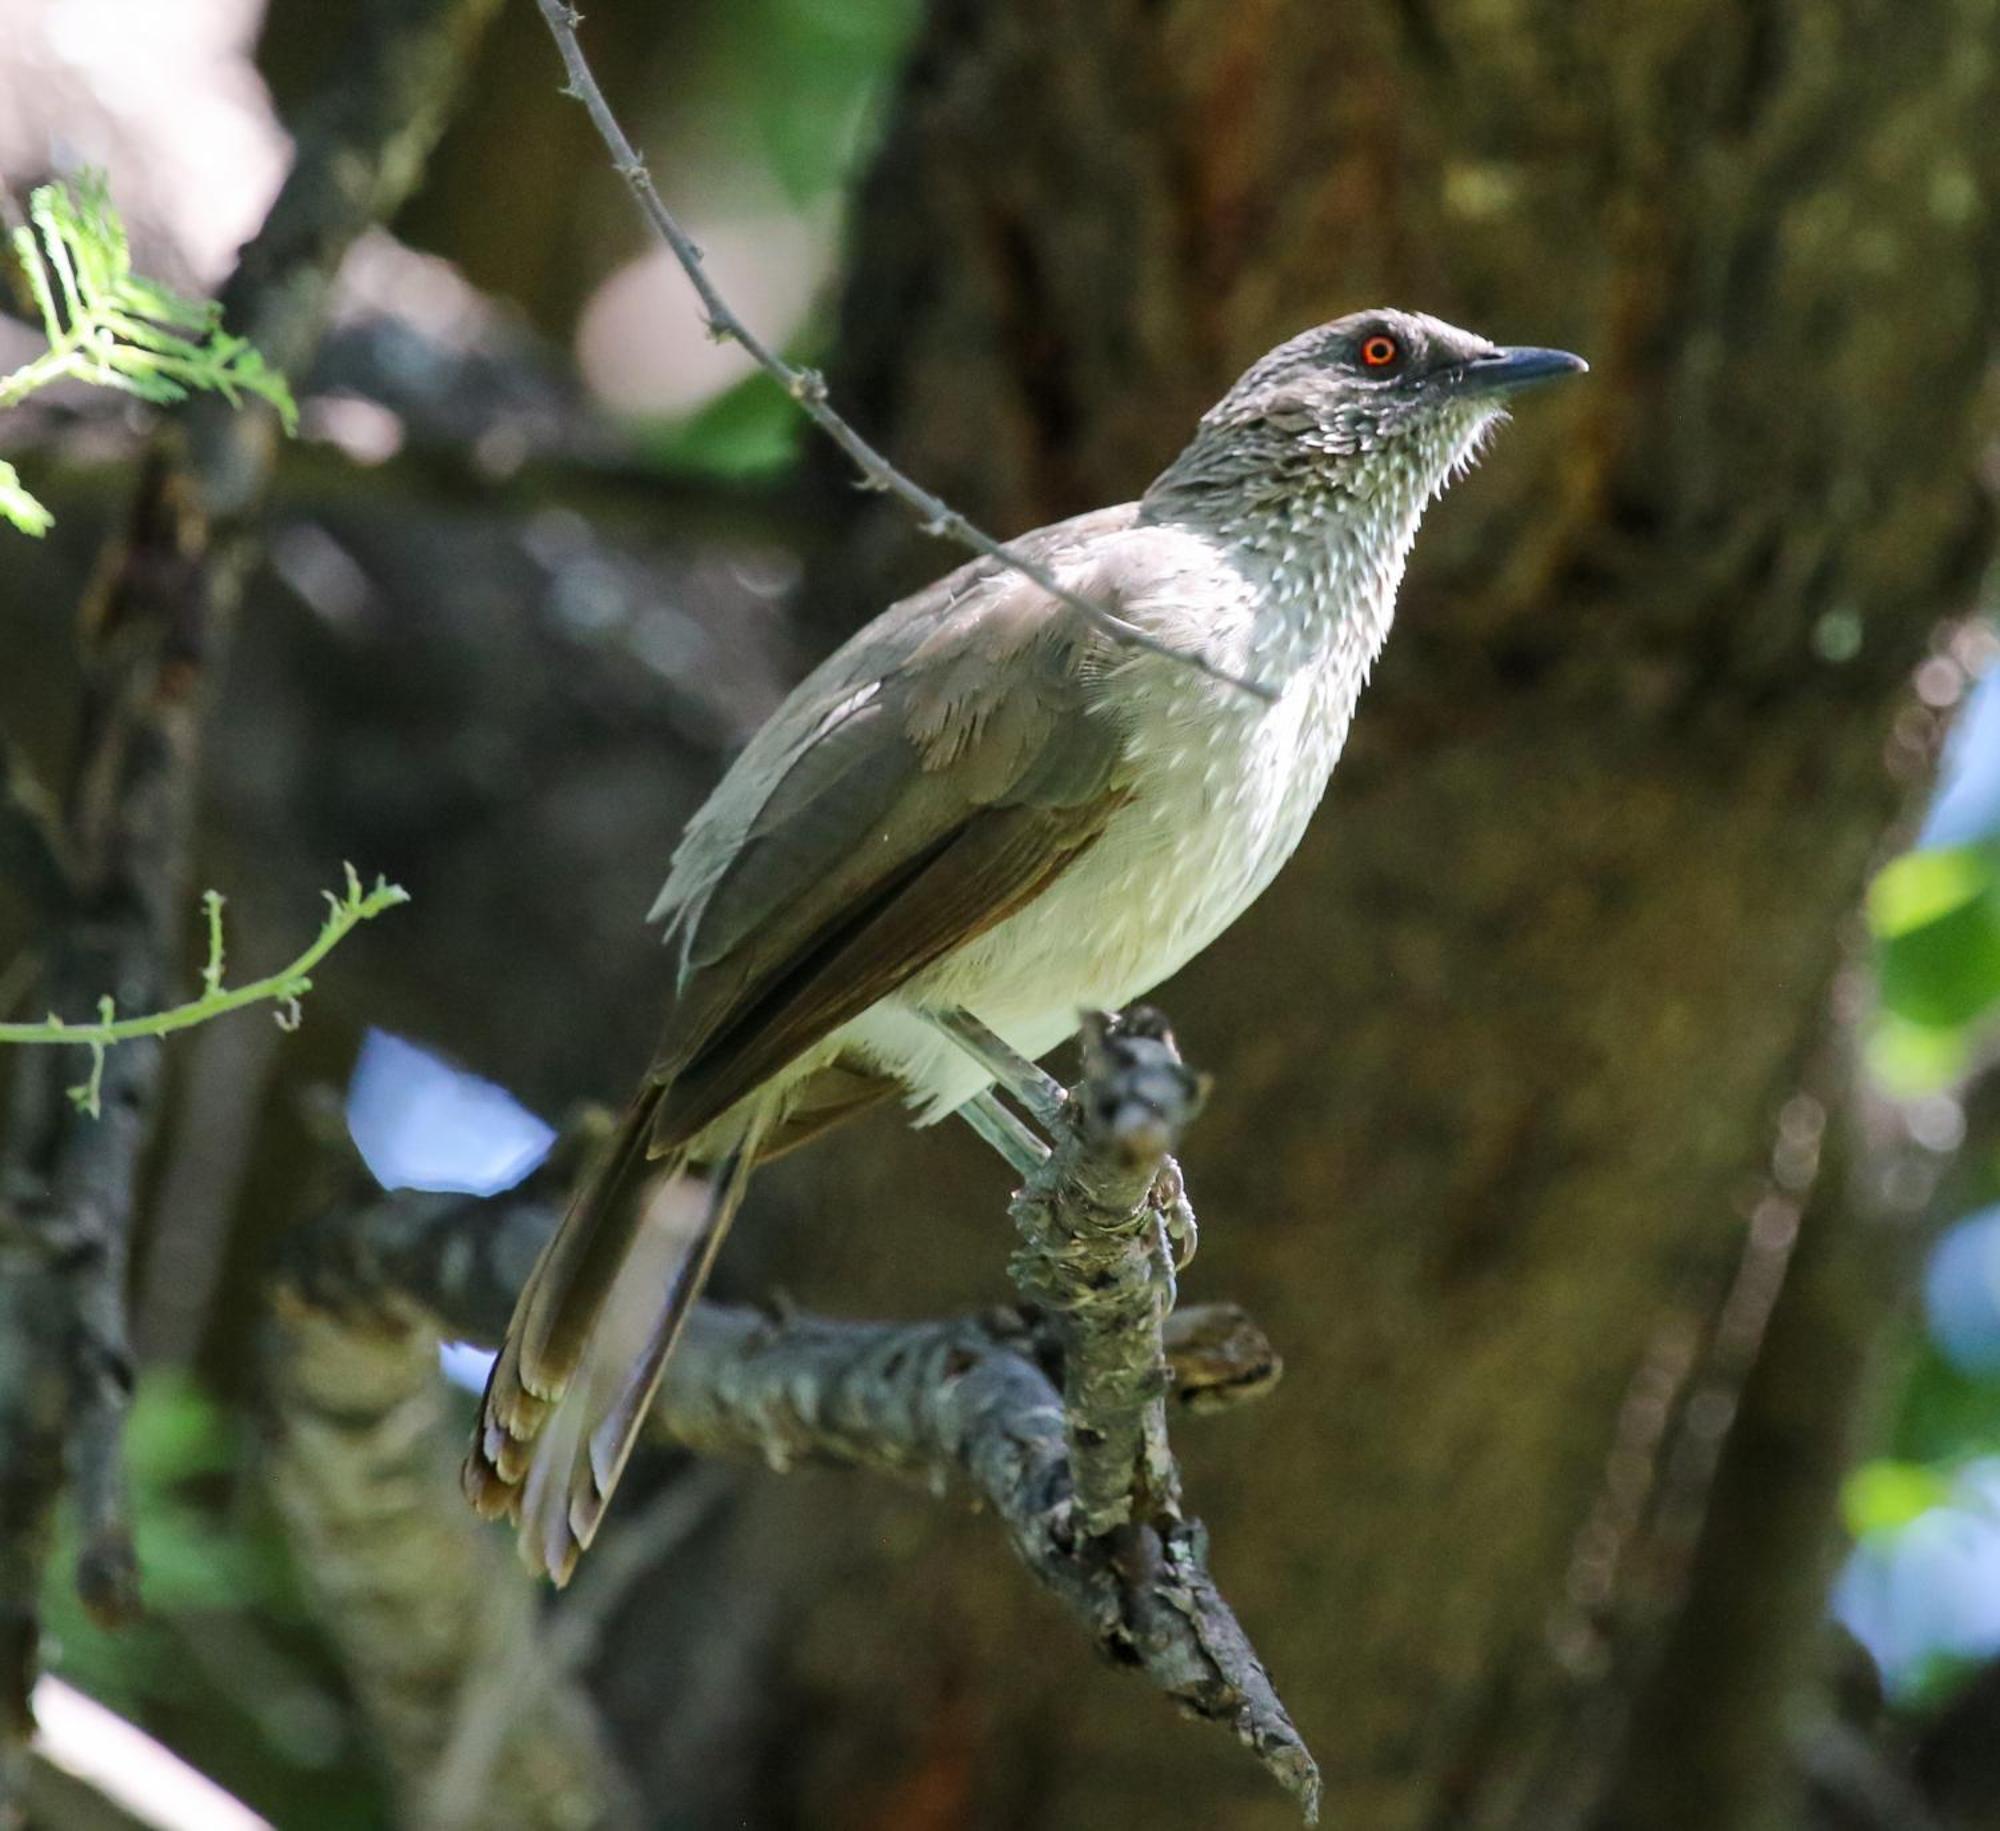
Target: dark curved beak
point(1506, 370)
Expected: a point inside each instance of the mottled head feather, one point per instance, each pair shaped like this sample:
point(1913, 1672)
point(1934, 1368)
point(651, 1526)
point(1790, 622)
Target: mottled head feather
point(1371, 402)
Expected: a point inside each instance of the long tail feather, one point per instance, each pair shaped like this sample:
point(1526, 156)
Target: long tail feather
point(590, 1340)
point(556, 1312)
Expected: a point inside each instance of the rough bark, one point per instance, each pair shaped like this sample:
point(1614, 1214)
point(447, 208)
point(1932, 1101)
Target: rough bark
point(1500, 1053)
point(477, 1720)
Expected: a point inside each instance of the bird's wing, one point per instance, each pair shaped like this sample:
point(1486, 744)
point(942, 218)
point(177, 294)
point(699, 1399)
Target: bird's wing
point(933, 776)
point(931, 779)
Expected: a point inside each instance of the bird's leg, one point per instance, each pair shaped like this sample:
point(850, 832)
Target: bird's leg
point(1015, 1141)
point(1040, 1094)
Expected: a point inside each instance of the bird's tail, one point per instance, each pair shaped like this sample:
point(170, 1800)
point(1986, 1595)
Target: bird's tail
point(591, 1334)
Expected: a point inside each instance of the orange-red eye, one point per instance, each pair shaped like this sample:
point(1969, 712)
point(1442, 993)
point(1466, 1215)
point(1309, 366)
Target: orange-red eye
point(1379, 351)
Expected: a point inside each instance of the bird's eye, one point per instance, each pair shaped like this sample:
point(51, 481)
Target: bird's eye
point(1381, 351)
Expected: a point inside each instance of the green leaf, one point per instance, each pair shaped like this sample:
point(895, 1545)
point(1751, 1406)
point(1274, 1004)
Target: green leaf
point(752, 430)
point(808, 78)
point(1923, 887)
point(1936, 917)
point(107, 325)
point(1886, 1496)
point(176, 1430)
point(1910, 1059)
point(1945, 1414)
point(17, 506)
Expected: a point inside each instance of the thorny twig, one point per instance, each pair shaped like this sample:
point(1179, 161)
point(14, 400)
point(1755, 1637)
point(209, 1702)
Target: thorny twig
point(283, 989)
point(808, 388)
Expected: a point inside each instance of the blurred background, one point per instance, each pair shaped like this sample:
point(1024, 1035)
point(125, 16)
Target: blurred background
point(1604, 1127)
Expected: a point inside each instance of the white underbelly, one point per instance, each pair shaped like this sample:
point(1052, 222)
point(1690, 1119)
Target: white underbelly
point(1209, 824)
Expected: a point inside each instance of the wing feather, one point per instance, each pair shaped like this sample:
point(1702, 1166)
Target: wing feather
point(926, 782)
point(968, 883)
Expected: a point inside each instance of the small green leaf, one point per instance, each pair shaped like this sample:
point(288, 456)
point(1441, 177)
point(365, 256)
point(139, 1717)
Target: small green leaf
point(1936, 917)
point(1910, 1059)
point(17, 506)
point(108, 326)
point(1923, 887)
point(1887, 1496)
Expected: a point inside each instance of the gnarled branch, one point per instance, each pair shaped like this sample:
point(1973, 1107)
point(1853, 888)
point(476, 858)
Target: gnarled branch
point(1012, 1404)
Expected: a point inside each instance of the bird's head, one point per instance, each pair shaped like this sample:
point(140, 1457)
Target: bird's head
point(1379, 402)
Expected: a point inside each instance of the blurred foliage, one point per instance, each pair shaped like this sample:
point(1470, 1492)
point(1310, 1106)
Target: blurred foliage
point(804, 82)
point(749, 431)
point(1934, 918)
point(794, 96)
point(1885, 1495)
point(107, 326)
point(1949, 1415)
point(224, 1663)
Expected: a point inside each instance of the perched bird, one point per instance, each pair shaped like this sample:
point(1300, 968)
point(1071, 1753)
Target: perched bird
point(981, 815)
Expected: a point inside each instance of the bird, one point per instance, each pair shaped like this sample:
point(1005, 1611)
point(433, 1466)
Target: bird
point(983, 815)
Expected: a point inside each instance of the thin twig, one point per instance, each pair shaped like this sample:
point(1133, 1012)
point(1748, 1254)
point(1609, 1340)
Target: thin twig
point(808, 387)
point(283, 989)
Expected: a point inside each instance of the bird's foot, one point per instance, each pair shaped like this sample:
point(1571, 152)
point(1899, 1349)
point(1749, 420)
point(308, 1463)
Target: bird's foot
point(1170, 1202)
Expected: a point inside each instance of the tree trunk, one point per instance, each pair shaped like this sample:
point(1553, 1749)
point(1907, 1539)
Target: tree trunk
point(1499, 1058)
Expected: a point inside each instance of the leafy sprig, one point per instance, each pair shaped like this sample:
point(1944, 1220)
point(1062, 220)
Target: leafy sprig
point(346, 911)
point(111, 327)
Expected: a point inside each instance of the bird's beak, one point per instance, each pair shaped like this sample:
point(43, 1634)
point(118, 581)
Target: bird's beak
point(1506, 370)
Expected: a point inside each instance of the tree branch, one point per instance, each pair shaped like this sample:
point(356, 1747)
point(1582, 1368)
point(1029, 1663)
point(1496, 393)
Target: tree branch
point(149, 636)
point(442, 1645)
point(808, 388)
point(977, 1399)
point(1756, 1511)
point(1097, 1220)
